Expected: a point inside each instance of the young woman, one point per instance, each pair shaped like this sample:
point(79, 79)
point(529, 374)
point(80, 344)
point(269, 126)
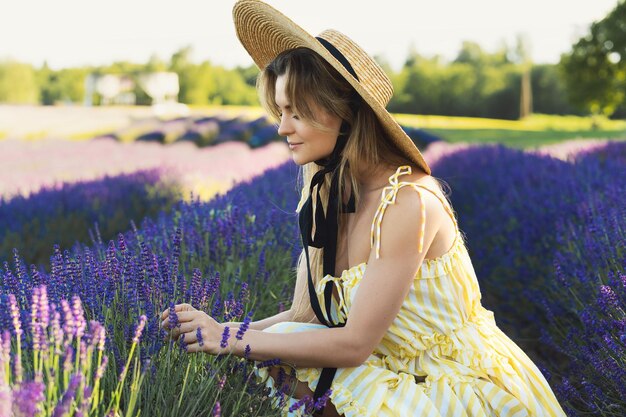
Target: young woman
point(386, 310)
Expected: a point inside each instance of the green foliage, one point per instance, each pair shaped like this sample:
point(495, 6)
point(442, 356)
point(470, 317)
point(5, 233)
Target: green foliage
point(18, 83)
point(595, 70)
point(475, 84)
point(65, 85)
point(550, 91)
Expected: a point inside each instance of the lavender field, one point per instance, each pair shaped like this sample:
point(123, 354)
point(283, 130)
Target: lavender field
point(92, 250)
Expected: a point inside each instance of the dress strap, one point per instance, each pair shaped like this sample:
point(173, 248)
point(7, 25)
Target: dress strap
point(388, 197)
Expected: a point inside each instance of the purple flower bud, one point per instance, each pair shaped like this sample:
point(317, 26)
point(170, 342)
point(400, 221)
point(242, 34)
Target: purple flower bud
point(607, 298)
point(173, 317)
point(102, 367)
point(244, 326)
point(199, 337)
point(139, 329)
point(57, 332)
point(122, 373)
point(44, 307)
point(222, 382)
point(15, 315)
point(69, 357)
point(244, 292)
point(79, 316)
point(246, 352)
point(217, 410)
point(270, 362)
point(5, 351)
point(68, 320)
point(321, 401)
point(181, 341)
point(27, 398)
point(225, 336)
point(302, 401)
point(63, 406)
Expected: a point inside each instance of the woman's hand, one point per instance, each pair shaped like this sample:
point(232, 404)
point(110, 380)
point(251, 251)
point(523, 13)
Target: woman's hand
point(200, 332)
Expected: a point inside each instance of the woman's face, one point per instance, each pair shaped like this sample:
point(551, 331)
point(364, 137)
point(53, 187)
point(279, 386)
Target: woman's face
point(306, 142)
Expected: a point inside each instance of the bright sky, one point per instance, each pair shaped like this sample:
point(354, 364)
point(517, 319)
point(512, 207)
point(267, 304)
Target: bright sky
point(81, 32)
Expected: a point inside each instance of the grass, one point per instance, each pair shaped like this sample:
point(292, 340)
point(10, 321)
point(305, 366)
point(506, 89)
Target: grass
point(536, 130)
point(522, 139)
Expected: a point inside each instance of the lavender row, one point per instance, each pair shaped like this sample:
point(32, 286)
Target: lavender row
point(70, 212)
point(548, 242)
point(213, 130)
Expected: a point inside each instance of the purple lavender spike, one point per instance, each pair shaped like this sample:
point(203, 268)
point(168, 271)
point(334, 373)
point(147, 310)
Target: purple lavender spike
point(244, 326)
point(139, 329)
point(225, 336)
point(28, 398)
point(199, 337)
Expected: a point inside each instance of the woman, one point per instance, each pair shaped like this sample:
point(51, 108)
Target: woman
point(386, 310)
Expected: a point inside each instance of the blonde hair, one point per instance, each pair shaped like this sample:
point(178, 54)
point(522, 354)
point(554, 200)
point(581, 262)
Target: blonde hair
point(312, 82)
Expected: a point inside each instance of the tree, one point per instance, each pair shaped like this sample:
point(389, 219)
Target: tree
point(526, 94)
point(18, 83)
point(595, 69)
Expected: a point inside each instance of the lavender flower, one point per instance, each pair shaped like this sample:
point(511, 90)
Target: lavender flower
point(244, 326)
point(173, 317)
point(139, 329)
point(269, 362)
point(244, 292)
point(79, 316)
point(222, 382)
point(27, 399)
point(181, 342)
point(246, 352)
point(321, 401)
point(225, 336)
point(217, 410)
point(15, 315)
point(69, 327)
point(102, 367)
point(199, 336)
point(302, 401)
point(607, 298)
point(63, 406)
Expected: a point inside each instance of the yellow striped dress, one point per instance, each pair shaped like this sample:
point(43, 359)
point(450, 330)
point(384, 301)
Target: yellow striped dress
point(443, 355)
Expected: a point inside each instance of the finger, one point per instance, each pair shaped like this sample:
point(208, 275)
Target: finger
point(184, 307)
point(188, 327)
point(177, 308)
point(194, 348)
point(190, 337)
point(186, 316)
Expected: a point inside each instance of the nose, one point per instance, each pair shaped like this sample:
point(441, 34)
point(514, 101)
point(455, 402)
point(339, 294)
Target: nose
point(285, 128)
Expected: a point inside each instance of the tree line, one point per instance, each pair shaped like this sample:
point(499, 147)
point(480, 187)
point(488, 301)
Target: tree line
point(589, 79)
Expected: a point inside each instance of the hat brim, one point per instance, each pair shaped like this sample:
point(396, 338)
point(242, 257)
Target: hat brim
point(265, 33)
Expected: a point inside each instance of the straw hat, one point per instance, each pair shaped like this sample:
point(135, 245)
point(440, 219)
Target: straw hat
point(265, 33)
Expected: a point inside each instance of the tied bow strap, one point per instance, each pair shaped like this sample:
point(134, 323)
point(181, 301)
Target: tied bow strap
point(326, 227)
point(389, 195)
point(326, 224)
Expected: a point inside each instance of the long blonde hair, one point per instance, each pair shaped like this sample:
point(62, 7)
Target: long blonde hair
point(312, 81)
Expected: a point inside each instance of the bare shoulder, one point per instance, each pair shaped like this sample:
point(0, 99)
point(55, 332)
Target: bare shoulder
point(411, 222)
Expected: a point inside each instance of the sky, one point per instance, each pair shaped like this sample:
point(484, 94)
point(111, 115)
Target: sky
point(68, 33)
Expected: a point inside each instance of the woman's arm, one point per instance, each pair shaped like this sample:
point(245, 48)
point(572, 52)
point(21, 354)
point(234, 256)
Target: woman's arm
point(263, 324)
